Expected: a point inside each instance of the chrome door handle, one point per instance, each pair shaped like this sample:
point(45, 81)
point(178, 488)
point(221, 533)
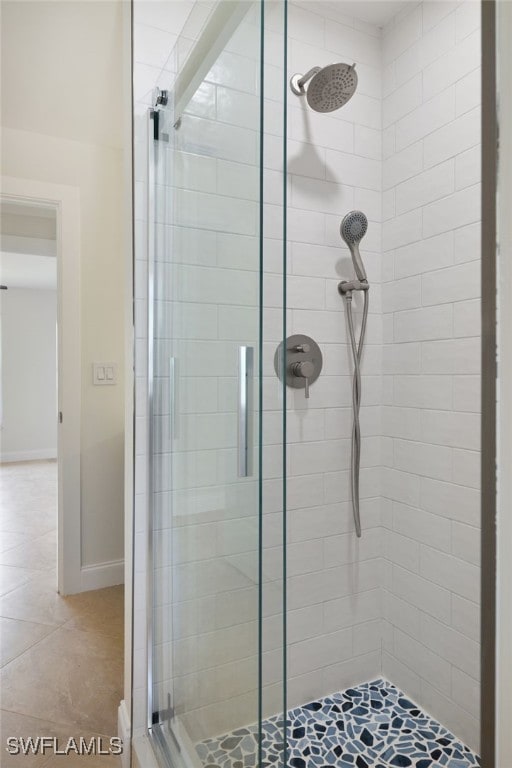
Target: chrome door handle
point(245, 374)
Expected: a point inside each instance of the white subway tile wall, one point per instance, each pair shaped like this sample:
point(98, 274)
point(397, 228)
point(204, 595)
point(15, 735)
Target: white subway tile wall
point(431, 294)
point(334, 164)
point(403, 600)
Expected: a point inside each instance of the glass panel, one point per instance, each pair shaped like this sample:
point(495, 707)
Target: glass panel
point(207, 388)
point(402, 601)
point(274, 646)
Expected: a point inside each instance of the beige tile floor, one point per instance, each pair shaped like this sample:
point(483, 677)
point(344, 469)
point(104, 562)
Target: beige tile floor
point(61, 658)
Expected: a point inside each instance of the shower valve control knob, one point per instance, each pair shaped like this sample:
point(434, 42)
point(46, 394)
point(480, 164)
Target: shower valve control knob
point(298, 361)
point(304, 370)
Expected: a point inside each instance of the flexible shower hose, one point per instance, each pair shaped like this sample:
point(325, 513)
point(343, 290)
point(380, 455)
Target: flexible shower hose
point(357, 350)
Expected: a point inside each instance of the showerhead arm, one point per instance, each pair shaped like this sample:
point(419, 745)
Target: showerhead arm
point(352, 229)
point(297, 82)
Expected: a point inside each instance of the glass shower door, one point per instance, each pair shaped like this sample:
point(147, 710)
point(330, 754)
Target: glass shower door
point(204, 322)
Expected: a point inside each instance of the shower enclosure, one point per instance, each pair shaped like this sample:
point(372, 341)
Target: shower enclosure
point(276, 634)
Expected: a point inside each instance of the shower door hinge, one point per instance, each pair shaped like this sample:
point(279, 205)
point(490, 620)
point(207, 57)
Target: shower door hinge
point(160, 97)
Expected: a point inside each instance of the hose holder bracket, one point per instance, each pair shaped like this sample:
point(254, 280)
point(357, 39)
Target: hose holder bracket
point(347, 286)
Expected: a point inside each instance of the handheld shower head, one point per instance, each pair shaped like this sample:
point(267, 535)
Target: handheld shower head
point(352, 229)
point(330, 87)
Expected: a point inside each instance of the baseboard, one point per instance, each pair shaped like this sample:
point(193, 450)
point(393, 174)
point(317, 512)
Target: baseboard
point(39, 455)
point(102, 575)
point(123, 731)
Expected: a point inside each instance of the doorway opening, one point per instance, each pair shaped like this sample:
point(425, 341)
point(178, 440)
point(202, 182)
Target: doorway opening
point(41, 358)
point(29, 383)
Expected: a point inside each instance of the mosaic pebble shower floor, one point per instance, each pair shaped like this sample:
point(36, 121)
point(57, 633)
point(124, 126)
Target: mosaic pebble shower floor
point(373, 725)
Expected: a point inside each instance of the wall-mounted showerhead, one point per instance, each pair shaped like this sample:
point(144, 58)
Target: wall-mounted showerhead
point(352, 229)
point(330, 87)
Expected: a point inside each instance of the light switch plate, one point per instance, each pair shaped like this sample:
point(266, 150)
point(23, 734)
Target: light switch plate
point(104, 374)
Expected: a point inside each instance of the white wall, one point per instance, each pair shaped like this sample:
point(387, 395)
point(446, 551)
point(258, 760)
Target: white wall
point(68, 130)
point(29, 374)
point(431, 358)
